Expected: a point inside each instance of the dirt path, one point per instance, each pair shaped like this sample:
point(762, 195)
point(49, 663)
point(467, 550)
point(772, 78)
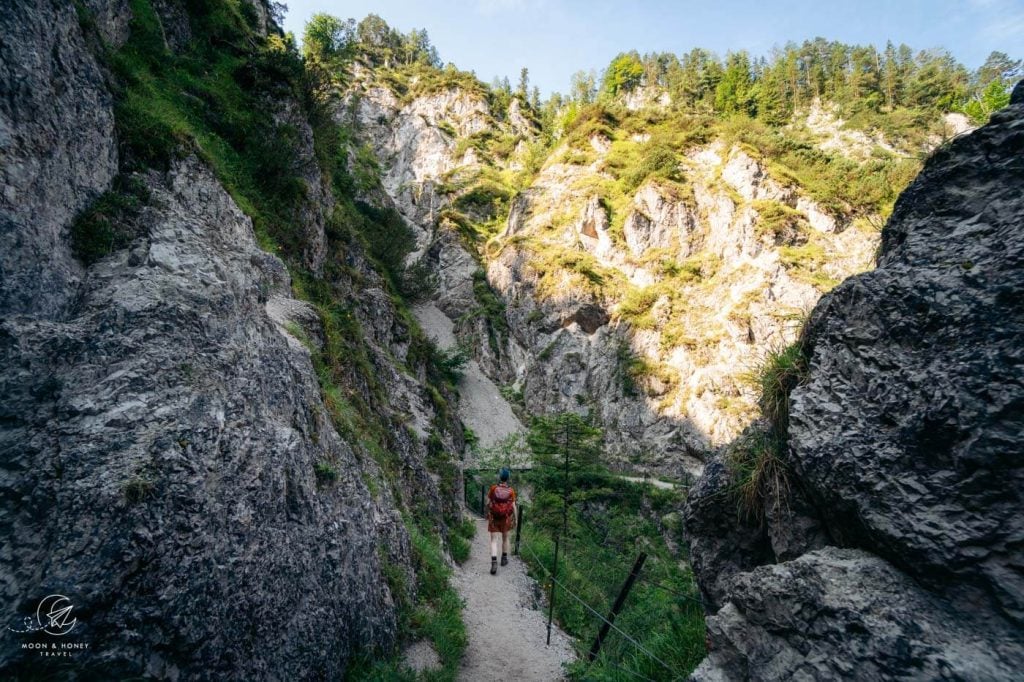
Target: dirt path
point(507, 628)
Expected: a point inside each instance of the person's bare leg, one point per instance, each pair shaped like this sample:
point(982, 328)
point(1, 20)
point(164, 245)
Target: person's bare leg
point(504, 548)
point(494, 553)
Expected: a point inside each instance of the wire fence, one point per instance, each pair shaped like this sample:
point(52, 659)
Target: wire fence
point(594, 612)
point(475, 492)
point(679, 595)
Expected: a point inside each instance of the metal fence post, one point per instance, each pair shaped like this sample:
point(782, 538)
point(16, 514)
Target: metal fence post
point(483, 495)
point(626, 587)
point(519, 526)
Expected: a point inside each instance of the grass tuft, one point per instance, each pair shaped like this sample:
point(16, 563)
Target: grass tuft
point(760, 475)
point(108, 224)
point(781, 370)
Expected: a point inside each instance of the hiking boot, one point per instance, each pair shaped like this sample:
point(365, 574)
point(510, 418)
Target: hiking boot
point(504, 559)
point(494, 565)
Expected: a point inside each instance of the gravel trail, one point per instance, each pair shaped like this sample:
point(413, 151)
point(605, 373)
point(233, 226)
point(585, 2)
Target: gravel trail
point(506, 625)
point(505, 622)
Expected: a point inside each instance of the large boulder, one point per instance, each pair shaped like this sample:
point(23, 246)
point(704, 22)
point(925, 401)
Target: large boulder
point(846, 614)
point(906, 439)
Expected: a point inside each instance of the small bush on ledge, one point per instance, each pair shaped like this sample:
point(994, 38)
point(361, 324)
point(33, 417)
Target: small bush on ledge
point(325, 474)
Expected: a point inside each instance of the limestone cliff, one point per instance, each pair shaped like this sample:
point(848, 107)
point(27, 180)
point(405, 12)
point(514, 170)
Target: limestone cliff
point(178, 458)
point(646, 306)
point(894, 548)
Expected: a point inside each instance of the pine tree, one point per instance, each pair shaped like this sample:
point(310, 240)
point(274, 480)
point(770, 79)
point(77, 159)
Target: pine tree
point(566, 451)
point(997, 66)
point(890, 75)
point(734, 93)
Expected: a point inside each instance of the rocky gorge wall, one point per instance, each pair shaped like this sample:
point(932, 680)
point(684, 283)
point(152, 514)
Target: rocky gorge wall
point(169, 463)
point(649, 320)
point(895, 551)
point(693, 291)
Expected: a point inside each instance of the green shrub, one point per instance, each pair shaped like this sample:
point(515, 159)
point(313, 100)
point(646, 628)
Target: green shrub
point(450, 364)
point(466, 528)
point(108, 223)
point(485, 199)
point(636, 305)
point(469, 437)
point(388, 237)
point(325, 473)
point(492, 308)
point(459, 548)
point(656, 159)
point(630, 369)
point(777, 220)
point(512, 394)
point(418, 282)
point(807, 263)
point(593, 119)
point(760, 476)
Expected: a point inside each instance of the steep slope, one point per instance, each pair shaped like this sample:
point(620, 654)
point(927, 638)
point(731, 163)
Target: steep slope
point(896, 526)
point(657, 306)
point(222, 479)
point(648, 259)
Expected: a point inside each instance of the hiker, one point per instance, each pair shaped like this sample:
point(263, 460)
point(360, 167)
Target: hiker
point(501, 517)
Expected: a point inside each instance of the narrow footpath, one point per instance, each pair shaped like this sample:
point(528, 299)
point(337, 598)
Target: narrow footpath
point(505, 621)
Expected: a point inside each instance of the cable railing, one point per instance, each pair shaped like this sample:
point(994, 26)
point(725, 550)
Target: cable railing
point(594, 612)
point(475, 492)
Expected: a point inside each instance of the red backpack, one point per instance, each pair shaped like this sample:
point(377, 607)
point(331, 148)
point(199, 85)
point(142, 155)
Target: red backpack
point(502, 502)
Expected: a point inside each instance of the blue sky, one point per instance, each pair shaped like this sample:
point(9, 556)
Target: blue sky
point(555, 38)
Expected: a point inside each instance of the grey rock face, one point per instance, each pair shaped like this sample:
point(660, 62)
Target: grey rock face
point(113, 19)
point(920, 463)
point(845, 614)
point(905, 440)
point(162, 441)
point(57, 151)
point(722, 543)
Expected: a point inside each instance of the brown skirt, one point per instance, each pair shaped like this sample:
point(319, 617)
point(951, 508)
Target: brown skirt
point(499, 525)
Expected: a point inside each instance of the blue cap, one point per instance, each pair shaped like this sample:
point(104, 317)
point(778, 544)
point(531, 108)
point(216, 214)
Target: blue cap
point(504, 473)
